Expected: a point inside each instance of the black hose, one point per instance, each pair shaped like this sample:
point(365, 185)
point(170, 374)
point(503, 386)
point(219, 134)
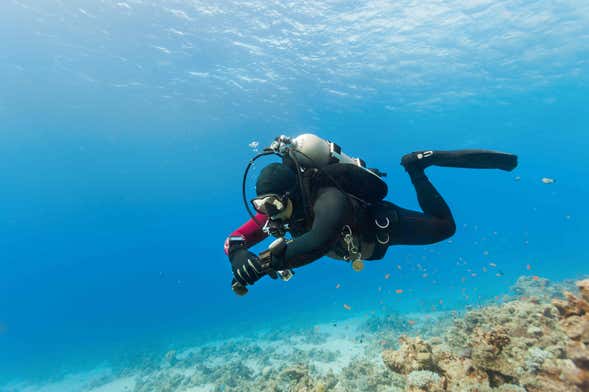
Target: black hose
point(249, 165)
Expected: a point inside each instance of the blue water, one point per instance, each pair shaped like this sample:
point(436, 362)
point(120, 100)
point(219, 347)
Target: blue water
point(124, 132)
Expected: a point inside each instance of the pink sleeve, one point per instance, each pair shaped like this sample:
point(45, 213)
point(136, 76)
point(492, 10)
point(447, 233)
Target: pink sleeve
point(250, 231)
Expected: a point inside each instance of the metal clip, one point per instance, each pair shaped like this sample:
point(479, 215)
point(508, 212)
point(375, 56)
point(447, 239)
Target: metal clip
point(388, 222)
point(354, 253)
point(383, 227)
point(383, 242)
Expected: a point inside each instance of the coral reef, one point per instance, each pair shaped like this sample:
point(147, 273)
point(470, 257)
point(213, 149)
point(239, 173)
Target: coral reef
point(424, 380)
point(414, 354)
point(365, 375)
point(521, 345)
point(540, 289)
point(534, 341)
point(291, 364)
point(574, 321)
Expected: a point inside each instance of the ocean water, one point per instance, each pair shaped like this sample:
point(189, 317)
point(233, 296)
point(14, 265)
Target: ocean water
point(125, 128)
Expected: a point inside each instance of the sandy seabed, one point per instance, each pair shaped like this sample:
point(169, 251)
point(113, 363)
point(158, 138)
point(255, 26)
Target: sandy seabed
point(537, 339)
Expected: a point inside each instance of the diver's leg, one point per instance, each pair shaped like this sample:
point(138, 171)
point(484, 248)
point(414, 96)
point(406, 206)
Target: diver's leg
point(417, 228)
point(435, 224)
point(470, 159)
point(430, 200)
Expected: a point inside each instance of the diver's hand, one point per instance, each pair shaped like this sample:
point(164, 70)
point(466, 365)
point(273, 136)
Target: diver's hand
point(246, 267)
point(238, 288)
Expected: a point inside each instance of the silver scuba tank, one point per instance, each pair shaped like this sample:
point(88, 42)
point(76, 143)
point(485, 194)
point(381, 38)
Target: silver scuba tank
point(313, 151)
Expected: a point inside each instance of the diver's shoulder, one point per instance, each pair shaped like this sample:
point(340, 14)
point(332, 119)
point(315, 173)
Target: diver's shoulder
point(331, 193)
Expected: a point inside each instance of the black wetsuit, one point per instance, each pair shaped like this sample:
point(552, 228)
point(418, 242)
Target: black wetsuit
point(333, 210)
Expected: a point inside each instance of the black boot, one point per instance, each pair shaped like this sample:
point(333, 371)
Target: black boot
point(416, 162)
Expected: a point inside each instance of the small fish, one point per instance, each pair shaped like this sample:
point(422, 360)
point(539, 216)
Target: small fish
point(484, 269)
point(492, 265)
point(528, 267)
point(399, 291)
point(424, 276)
point(411, 322)
point(337, 286)
point(535, 277)
point(387, 276)
point(548, 180)
point(347, 307)
point(379, 289)
point(254, 144)
point(486, 253)
point(499, 274)
point(517, 178)
point(474, 275)
point(441, 302)
point(399, 267)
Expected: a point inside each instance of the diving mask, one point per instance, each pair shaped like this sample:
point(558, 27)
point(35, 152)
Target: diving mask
point(270, 204)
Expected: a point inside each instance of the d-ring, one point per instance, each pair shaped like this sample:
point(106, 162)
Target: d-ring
point(382, 226)
point(383, 242)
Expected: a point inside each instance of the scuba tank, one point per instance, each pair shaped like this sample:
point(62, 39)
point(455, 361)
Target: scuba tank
point(349, 174)
point(313, 151)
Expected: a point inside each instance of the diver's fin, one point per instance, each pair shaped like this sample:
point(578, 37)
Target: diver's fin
point(469, 159)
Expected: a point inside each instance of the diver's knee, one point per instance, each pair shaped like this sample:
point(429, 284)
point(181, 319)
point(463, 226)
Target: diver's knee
point(448, 229)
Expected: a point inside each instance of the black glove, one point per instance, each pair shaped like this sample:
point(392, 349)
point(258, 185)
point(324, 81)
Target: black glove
point(246, 267)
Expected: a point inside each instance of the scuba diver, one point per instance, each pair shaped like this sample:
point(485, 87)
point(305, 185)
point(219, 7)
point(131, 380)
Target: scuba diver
point(332, 205)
